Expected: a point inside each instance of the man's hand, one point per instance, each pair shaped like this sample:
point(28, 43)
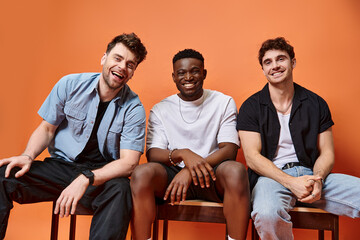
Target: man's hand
point(315, 194)
point(198, 167)
point(302, 187)
point(23, 162)
point(70, 196)
point(178, 187)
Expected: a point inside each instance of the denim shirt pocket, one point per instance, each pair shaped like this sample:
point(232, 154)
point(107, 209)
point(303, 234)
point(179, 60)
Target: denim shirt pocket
point(113, 139)
point(76, 119)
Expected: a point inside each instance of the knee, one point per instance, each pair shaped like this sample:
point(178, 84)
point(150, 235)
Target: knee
point(141, 177)
point(269, 215)
point(234, 176)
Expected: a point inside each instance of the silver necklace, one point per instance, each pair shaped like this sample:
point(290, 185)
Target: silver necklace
point(202, 105)
point(287, 108)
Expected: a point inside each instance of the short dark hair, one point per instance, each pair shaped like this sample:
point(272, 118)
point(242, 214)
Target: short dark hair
point(188, 53)
point(278, 43)
point(132, 42)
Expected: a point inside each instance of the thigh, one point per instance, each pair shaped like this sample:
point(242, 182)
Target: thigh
point(270, 196)
point(340, 195)
point(43, 182)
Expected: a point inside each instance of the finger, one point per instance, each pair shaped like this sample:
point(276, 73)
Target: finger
point(8, 170)
point(206, 176)
point(211, 171)
point(4, 162)
point(194, 178)
point(57, 206)
point(68, 206)
point(168, 190)
point(173, 194)
point(184, 191)
point(21, 172)
point(200, 177)
point(62, 207)
point(179, 194)
point(73, 207)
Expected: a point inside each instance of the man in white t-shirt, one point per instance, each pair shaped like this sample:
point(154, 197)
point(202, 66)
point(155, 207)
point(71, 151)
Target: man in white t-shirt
point(192, 144)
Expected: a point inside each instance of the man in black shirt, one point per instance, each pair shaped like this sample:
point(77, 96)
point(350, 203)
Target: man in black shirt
point(286, 134)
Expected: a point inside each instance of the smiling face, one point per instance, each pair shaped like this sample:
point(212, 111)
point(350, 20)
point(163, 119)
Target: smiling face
point(189, 75)
point(278, 66)
point(118, 67)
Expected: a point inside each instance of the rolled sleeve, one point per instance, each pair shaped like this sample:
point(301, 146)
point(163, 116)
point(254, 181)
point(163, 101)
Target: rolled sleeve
point(133, 134)
point(52, 110)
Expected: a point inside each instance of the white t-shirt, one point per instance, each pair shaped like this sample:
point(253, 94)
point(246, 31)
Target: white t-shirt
point(198, 125)
point(285, 152)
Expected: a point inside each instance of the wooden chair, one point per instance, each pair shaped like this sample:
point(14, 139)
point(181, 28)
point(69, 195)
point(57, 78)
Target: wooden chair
point(311, 218)
point(55, 222)
point(190, 210)
point(201, 211)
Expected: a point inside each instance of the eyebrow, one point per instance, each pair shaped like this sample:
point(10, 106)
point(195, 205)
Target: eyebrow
point(130, 61)
point(278, 56)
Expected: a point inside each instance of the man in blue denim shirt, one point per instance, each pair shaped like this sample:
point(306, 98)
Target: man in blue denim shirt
point(94, 128)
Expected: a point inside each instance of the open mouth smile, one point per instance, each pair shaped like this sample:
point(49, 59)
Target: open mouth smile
point(118, 75)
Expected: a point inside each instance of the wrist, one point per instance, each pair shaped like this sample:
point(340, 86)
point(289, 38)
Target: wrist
point(171, 159)
point(89, 175)
point(28, 156)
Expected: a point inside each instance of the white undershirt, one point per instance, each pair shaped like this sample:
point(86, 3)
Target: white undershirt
point(285, 151)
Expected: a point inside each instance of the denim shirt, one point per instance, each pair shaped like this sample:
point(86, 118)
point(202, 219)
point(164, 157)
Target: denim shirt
point(72, 106)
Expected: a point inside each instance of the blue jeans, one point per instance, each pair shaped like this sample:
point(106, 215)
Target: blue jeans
point(271, 202)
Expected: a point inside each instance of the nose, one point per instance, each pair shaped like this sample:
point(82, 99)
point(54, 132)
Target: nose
point(121, 64)
point(275, 65)
point(188, 76)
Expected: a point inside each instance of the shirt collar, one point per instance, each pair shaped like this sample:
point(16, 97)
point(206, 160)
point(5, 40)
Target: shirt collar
point(299, 96)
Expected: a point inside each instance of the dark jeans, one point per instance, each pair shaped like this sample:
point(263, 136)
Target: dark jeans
point(110, 202)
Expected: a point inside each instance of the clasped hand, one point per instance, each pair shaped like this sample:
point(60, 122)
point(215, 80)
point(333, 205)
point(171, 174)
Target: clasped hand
point(306, 188)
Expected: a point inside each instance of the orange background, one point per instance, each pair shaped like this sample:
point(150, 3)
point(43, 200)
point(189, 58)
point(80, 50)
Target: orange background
point(43, 40)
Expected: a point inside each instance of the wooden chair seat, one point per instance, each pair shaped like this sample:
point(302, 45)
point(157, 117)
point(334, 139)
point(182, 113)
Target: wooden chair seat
point(202, 211)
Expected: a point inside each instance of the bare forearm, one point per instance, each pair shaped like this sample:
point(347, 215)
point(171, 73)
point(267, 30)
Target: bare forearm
point(264, 167)
point(122, 167)
point(225, 151)
point(40, 139)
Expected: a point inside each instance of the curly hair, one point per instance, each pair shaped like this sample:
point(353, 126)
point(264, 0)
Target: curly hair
point(278, 43)
point(188, 53)
point(132, 42)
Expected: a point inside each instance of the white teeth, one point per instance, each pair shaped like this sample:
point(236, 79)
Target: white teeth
point(118, 75)
point(188, 85)
point(277, 73)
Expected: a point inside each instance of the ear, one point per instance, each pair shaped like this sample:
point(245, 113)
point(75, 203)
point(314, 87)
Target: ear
point(293, 62)
point(173, 76)
point(103, 59)
point(205, 73)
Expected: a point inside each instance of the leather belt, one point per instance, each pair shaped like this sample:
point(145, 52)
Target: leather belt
point(290, 165)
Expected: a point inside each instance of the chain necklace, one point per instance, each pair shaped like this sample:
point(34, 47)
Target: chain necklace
point(286, 109)
point(202, 105)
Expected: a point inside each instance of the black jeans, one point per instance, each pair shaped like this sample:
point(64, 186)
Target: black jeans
point(110, 202)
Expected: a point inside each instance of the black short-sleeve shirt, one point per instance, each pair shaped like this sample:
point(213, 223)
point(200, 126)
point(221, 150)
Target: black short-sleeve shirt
point(310, 115)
